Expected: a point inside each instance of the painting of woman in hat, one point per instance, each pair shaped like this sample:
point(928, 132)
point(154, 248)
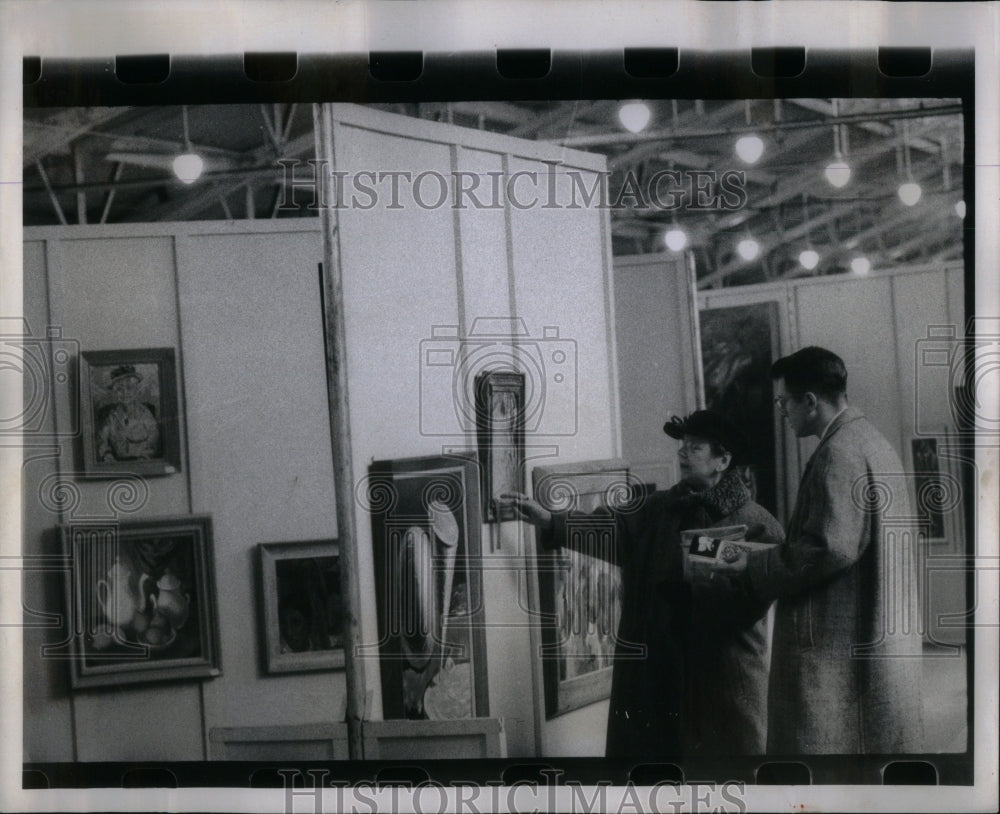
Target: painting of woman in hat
point(127, 426)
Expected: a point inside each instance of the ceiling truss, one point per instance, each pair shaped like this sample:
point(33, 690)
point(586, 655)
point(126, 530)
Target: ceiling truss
point(107, 165)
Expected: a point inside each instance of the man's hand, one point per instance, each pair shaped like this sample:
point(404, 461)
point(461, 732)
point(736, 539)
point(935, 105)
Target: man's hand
point(526, 509)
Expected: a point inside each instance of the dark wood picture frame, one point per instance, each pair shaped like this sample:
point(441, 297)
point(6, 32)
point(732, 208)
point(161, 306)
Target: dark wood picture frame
point(142, 601)
point(426, 533)
point(500, 437)
point(140, 435)
point(301, 606)
point(579, 593)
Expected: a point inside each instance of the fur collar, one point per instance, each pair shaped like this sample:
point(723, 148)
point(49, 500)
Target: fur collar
point(728, 495)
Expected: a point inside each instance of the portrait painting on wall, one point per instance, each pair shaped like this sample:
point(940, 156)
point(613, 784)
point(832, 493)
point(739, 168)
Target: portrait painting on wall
point(301, 606)
point(426, 529)
point(141, 595)
point(131, 412)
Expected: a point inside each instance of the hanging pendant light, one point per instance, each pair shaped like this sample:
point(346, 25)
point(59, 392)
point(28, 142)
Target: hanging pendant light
point(188, 166)
point(749, 147)
point(809, 257)
point(675, 238)
point(861, 266)
point(748, 248)
point(634, 116)
point(838, 171)
point(909, 191)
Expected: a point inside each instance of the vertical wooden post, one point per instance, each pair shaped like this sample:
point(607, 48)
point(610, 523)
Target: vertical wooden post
point(340, 429)
point(692, 288)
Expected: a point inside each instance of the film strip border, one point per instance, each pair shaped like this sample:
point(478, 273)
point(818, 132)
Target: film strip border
point(161, 79)
point(164, 79)
point(542, 773)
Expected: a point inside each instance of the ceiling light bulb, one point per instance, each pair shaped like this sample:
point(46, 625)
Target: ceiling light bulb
point(748, 248)
point(838, 173)
point(861, 266)
point(809, 259)
point(675, 239)
point(188, 167)
point(909, 193)
point(749, 148)
point(634, 116)
point(960, 209)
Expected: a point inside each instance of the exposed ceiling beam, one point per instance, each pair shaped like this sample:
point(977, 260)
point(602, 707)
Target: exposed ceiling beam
point(565, 114)
point(872, 126)
point(926, 236)
point(654, 135)
point(52, 196)
point(805, 182)
point(63, 128)
point(768, 246)
point(857, 241)
point(187, 207)
point(644, 149)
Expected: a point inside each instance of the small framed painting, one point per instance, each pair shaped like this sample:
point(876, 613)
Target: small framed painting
point(130, 412)
point(500, 435)
point(301, 607)
point(142, 597)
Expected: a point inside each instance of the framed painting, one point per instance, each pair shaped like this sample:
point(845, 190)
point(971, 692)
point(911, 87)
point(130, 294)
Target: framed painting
point(130, 412)
point(500, 435)
point(940, 471)
point(579, 586)
point(739, 343)
point(426, 532)
point(938, 489)
point(142, 598)
point(301, 606)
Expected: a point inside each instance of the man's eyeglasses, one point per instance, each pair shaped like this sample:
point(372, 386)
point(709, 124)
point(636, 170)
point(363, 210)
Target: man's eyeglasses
point(779, 402)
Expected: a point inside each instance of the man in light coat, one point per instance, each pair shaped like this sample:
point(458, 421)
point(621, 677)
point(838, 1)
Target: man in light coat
point(845, 664)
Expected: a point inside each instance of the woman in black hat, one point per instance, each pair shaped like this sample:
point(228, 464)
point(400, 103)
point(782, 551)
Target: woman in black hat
point(701, 688)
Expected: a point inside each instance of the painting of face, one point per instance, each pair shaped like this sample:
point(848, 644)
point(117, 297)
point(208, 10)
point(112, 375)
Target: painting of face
point(131, 412)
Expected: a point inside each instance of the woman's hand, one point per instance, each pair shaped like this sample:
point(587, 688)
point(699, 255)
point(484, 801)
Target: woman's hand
point(731, 561)
point(526, 509)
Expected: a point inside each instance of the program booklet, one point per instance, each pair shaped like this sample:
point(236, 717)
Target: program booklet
point(704, 547)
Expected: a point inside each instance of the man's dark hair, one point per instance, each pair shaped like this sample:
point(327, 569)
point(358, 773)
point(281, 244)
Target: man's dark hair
point(812, 370)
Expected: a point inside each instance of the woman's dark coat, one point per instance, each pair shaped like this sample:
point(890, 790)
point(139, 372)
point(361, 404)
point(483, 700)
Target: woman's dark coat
point(701, 686)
